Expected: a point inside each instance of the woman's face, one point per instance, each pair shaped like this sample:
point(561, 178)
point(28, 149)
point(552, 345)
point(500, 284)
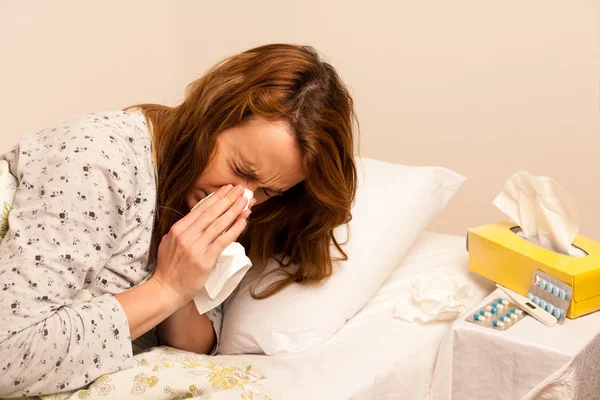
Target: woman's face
point(260, 155)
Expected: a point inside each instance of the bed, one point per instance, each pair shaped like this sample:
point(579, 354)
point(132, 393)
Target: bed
point(374, 356)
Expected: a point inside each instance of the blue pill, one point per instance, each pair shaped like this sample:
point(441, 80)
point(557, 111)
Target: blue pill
point(556, 291)
point(549, 287)
point(550, 308)
point(563, 294)
point(476, 317)
point(502, 318)
point(508, 314)
point(494, 304)
point(543, 284)
point(530, 296)
point(543, 303)
point(536, 300)
point(557, 313)
point(513, 310)
point(494, 310)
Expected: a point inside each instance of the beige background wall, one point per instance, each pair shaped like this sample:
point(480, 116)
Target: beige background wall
point(482, 87)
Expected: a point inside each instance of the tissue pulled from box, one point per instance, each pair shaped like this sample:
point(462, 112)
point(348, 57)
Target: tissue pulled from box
point(545, 212)
point(435, 299)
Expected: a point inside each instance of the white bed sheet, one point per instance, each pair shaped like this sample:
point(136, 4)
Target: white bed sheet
point(375, 356)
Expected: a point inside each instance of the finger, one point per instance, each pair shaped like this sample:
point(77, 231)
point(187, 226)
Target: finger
point(216, 247)
point(243, 215)
point(216, 210)
point(185, 222)
point(211, 199)
point(220, 225)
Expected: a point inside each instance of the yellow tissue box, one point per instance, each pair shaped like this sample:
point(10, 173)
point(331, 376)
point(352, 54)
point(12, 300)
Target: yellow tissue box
point(499, 254)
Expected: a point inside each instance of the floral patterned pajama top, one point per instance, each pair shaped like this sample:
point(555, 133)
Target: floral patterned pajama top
point(82, 218)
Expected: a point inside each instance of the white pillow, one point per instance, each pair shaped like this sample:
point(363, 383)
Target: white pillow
point(394, 203)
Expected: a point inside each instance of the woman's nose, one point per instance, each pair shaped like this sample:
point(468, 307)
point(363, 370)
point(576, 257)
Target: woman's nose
point(254, 187)
point(259, 194)
point(247, 185)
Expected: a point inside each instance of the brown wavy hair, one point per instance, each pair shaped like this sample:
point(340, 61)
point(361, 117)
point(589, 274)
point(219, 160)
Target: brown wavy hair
point(276, 82)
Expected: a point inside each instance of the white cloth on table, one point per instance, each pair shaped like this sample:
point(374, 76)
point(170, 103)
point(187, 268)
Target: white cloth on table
point(578, 379)
point(475, 362)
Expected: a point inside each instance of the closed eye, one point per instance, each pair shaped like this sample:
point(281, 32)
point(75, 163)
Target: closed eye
point(271, 193)
point(242, 173)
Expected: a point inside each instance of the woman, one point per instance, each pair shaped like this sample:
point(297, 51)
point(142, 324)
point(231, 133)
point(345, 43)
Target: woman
point(104, 201)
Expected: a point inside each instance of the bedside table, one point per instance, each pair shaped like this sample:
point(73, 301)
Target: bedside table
point(475, 362)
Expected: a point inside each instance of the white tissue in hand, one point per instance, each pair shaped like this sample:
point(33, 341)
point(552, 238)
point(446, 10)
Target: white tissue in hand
point(231, 261)
point(436, 299)
point(545, 212)
point(248, 194)
point(230, 268)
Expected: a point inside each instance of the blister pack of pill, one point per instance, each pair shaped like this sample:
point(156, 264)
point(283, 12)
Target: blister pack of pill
point(499, 314)
point(550, 294)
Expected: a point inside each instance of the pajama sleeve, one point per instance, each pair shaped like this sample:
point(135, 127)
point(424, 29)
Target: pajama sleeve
point(69, 214)
point(216, 320)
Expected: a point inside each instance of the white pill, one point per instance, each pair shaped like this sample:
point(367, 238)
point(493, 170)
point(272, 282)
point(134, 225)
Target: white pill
point(478, 317)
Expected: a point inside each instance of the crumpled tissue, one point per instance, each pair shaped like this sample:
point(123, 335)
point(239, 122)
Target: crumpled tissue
point(437, 298)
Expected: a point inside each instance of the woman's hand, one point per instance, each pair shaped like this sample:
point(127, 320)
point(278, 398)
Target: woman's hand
point(188, 253)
